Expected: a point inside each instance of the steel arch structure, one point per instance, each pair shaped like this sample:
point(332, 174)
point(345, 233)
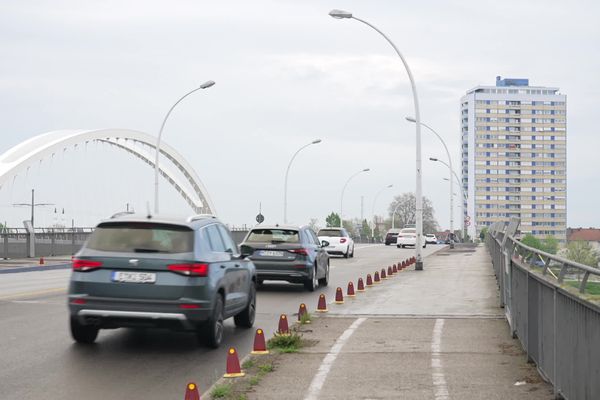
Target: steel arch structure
point(183, 177)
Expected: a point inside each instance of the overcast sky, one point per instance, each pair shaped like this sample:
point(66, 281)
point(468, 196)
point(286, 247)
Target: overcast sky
point(286, 74)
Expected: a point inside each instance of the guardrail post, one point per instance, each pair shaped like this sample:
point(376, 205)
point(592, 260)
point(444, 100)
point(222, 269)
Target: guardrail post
point(5, 246)
point(52, 242)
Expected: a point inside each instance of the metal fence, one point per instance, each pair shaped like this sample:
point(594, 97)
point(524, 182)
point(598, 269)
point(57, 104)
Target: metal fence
point(15, 242)
point(550, 311)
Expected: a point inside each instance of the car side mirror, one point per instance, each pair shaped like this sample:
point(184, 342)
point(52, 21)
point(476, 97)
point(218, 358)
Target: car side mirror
point(246, 251)
point(324, 243)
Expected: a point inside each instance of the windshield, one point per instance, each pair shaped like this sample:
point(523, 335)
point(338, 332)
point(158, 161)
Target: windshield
point(409, 231)
point(330, 233)
point(273, 236)
point(140, 237)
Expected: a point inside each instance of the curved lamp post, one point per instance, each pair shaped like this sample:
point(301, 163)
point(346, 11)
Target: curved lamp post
point(394, 213)
point(340, 14)
point(411, 119)
point(373, 209)
point(343, 190)
point(205, 85)
point(287, 171)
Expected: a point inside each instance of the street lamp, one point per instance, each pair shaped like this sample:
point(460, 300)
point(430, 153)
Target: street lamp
point(33, 204)
point(411, 119)
point(373, 209)
point(394, 213)
point(340, 14)
point(452, 173)
point(344, 189)
point(205, 85)
point(316, 141)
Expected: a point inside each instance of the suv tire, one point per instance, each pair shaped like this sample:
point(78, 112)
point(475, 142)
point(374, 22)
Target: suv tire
point(245, 319)
point(325, 280)
point(312, 283)
point(83, 333)
point(212, 331)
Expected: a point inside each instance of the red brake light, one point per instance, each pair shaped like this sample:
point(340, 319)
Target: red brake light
point(343, 240)
point(189, 306)
point(78, 301)
point(304, 252)
point(85, 265)
point(189, 269)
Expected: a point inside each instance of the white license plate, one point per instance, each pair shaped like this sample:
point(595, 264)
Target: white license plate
point(271, 253)
point(133, 277)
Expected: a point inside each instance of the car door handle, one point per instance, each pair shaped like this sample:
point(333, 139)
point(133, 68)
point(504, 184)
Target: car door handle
point(222, 267)
point(237, 265)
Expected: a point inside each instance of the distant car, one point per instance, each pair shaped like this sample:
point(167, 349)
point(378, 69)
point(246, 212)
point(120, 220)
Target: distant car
point(407, 237)
point(140, 271)
point(339, 240)
point(430, 238)
point(287, 253)
point(391, 236)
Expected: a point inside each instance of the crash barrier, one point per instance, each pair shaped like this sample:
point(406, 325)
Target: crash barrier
point(15, 242)
point(548, 307)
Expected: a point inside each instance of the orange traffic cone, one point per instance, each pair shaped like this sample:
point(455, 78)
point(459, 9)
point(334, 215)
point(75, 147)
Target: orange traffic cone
point(260, 346)
point(376, 278)
point(233, 369)
point(41, 260)
point(383, 274)
point(390, 272)
point(403, 265)
point(414, 260)
point(322, 305)
point(395, 269)
point(361, 285)
point(339, 296)
point(283, 329)
point(191, 392)
point(369, 280)
point(350, 291)
point(301, 312)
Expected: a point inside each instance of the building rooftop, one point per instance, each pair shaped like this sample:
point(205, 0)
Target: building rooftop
point(585, 234)
point(511, 81)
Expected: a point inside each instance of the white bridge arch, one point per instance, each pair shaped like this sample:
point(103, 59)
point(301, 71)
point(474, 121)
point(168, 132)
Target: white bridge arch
point(27, 153)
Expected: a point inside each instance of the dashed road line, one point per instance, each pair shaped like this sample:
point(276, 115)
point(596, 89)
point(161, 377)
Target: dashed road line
point(437, 371)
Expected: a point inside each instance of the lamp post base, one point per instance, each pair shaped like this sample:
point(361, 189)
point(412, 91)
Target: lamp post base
point(419, 266)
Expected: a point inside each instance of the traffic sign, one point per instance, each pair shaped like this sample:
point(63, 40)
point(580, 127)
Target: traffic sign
point(260, 218)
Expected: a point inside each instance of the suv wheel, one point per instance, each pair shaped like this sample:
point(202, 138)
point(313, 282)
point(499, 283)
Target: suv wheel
point(212, 332)
point(83, 333)
point(325, 280)
point(245, 319)
point(312, 283)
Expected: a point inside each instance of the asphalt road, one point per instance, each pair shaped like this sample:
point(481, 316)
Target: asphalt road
point(39, 360)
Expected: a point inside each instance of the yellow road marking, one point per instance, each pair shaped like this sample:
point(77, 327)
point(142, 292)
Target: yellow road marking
point(34, 293)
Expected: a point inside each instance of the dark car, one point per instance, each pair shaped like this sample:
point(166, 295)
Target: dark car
point(140, 271)
point(288, 253)
point(391, 236)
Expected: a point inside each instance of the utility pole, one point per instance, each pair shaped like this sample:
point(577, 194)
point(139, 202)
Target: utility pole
point(362, 208)
point(33, 205)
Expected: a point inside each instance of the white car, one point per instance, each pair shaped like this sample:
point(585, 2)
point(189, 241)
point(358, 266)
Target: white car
point(339, 240)
point(430, 238)
point(407, 237)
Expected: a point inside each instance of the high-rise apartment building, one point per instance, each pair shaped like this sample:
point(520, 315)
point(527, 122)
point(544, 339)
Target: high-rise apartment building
point(514, 155)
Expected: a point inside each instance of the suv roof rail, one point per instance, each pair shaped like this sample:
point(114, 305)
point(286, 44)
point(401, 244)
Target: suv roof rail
point(197, 217)
point(120, 214)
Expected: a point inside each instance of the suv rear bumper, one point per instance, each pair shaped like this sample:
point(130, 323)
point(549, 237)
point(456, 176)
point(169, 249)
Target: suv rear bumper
point(297, 273)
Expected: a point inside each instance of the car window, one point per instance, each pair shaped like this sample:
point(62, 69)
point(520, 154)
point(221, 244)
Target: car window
point(141, 237)
point(312, 238)
point(230, 245)
point(330, 232)
point(214, 238)
point(273, 235)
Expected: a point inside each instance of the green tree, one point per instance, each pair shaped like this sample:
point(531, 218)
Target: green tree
point(406, 212)
point(582, 252)
point(483, 233)
point(332, 220)
point(349, 226)
point(532, 241)
point(550, 245)
point(365, 229)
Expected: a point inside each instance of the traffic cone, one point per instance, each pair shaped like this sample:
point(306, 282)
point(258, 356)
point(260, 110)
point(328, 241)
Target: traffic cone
point(322, 305)
point(414, 260)
point(41, 260)
point(283, 329)
point(301, 312)
point(395, 269)
point(339, 296)
point(383, 274)
point(403, 265)
point(233, 369)
point(361, 285)
point(390, 272)
point(369, 280)
point(191, 392)
point(376, 278)
point(260, 346)
point(350, 291)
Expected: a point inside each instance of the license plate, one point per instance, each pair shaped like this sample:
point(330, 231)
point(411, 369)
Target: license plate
point(133, 277)
point(271, 253)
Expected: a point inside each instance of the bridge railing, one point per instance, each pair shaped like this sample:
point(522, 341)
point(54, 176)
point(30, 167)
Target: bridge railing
point(550, 308)
point(14, 242)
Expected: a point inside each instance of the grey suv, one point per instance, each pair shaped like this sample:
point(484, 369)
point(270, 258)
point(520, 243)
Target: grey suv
point(140, 271)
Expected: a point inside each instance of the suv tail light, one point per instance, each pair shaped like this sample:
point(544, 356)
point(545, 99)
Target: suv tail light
point(193, 269)
point(303, 251)
point(343, 240)
point(85, 265)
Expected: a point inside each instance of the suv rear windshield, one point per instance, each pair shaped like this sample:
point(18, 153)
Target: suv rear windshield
point(330, 233)
point(142, 237)
point(273, 236)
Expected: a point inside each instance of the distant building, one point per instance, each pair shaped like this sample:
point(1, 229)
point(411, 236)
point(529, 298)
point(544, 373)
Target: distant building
point(590, 235)
point(514, 157)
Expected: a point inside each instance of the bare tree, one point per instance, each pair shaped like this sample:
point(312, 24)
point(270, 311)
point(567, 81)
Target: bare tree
point(406, 212)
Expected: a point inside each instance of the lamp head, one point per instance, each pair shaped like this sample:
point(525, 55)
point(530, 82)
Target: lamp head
point(411, 119)
point(366, 170)
point(339, 14)
point(389, 186)
point(316, 141)
point(433, 159)
point(207, 84)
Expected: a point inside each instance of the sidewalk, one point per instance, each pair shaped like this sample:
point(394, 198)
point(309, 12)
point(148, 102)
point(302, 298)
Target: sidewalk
point(433, 334)
point(33, 264)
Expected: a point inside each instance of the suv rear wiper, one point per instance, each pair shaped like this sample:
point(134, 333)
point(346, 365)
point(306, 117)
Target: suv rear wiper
point(141, 250)
point(278, 241)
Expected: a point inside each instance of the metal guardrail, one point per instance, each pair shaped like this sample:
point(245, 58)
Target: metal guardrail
point(558, 326)
point(14, 242)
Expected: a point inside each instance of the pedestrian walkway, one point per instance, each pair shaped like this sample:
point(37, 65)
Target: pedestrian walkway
point(33, 264)
point(433, 334)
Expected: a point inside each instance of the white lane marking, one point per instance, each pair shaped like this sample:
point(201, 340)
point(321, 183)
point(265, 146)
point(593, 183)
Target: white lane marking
point(439, 381)
point(326, 364)
point(366, 247)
